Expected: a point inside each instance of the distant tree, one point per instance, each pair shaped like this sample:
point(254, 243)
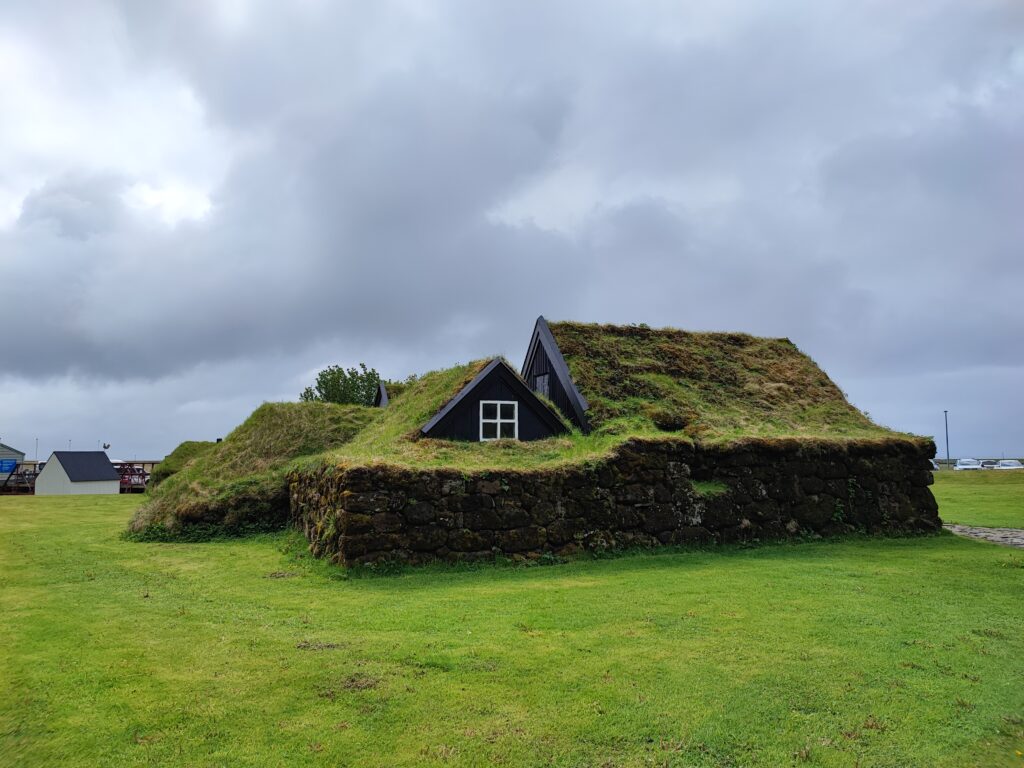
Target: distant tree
point(335, 384)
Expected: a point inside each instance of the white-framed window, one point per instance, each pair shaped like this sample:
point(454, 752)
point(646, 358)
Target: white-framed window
point(499, 419)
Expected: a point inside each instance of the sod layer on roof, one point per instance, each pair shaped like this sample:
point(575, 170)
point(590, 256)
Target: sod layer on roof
point(239, 484)
point(395, 438)
point(654, 384)
point(177, 459)
point(710, 386)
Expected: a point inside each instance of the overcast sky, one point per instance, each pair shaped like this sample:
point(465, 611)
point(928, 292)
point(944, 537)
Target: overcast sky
point(203, 203)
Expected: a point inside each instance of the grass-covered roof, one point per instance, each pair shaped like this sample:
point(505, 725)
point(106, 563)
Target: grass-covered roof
point(240, 483)
point(640, 382)
point(178, 459)
point(711, 386)
point(394, 437)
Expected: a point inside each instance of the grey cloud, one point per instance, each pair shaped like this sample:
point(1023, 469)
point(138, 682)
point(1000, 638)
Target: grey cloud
point(76, 206)
point(867, 209)
point(933, 214)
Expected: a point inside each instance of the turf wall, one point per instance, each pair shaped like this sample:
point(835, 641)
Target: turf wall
point(646, 494)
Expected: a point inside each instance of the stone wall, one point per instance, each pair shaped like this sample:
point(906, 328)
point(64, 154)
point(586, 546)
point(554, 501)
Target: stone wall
point(646, 494)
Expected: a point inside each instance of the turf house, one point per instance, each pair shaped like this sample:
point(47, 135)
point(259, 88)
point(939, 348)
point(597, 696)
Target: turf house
point(608, 437)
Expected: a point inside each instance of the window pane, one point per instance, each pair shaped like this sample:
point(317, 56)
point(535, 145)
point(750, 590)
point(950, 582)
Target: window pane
point(543, 386)
point(508, 410)
point(508, 429)
point(490, 430)
point(490, 410)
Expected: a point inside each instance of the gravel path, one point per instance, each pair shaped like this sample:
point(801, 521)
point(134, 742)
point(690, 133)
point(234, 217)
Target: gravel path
point(1008, 537)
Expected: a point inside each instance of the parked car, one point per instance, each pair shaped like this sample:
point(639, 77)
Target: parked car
point(1009, 464)
point(988, 464)
point(966, 464)
point(935, 465)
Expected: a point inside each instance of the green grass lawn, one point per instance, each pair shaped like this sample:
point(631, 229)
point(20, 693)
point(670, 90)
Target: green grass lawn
point(987, 498)
point(246, 653)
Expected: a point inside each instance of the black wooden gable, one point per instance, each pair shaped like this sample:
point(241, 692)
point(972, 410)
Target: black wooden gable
point(380, 400)
point(460, 418)
point(545, 371)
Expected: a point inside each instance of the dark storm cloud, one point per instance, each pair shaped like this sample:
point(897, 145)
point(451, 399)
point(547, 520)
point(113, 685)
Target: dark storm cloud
point(411, 184)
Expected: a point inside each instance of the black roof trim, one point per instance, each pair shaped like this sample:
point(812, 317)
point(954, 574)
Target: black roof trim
point(554, 421)
point(542, 335)
point(86, 466)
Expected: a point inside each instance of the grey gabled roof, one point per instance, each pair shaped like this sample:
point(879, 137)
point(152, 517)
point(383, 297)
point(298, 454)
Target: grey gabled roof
point(11, 449)
point(542, 335)
point(86, 466)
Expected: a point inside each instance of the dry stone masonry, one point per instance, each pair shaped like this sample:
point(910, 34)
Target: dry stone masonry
point(648, 493)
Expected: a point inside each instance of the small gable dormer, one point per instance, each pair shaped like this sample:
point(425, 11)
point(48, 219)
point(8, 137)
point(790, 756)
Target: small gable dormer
point(547, 373)
point(497, 404)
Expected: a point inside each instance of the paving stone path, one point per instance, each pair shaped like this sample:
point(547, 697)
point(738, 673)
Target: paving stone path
point(1008, 537)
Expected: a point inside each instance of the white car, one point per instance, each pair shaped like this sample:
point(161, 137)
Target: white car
point(1009, 464)
point(965, 464)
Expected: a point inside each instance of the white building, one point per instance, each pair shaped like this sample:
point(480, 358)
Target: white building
point(68, 472)
point(10, 458)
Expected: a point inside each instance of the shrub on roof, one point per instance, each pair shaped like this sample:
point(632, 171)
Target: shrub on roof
point(239, 485)
point(351, 386)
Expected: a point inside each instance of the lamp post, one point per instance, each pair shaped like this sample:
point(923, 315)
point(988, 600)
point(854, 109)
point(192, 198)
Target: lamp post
point(945, 416)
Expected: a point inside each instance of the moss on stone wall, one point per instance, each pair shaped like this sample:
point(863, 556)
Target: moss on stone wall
point(647, 493)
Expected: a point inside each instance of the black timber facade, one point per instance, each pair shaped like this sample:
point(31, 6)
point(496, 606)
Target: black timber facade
point(546, 371)
point(460, 418)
